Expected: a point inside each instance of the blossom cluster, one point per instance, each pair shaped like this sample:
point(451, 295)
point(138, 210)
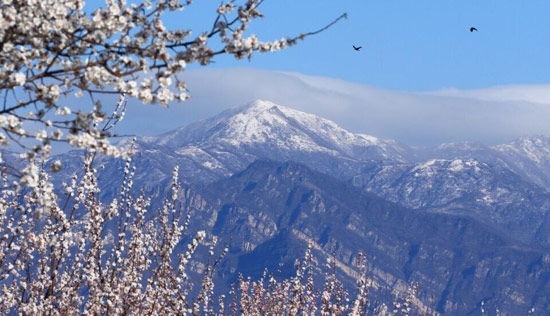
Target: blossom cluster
point(74, 254)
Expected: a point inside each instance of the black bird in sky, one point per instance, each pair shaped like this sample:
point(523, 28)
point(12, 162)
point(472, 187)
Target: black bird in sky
point(473, 29)
point(356, 48)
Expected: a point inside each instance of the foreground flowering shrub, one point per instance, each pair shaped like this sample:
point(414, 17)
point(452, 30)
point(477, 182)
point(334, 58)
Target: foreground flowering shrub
point(73, 254)
point(83, 256)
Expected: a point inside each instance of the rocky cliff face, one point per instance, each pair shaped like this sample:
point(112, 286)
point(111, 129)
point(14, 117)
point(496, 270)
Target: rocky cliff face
point(491, 193)
point(272, 209)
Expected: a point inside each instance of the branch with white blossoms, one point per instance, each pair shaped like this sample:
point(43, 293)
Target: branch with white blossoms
point(52, 49)
point(81, 256)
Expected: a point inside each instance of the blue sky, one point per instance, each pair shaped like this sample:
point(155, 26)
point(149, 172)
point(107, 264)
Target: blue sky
point(421, 78)
point(419, 45)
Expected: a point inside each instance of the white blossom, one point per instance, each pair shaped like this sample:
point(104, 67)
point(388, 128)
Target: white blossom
point(19, 78)
point(30, 175)
point(41, 135)
point(63, 111)
point(56, 166)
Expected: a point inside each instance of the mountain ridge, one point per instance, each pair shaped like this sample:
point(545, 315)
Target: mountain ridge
point(263, 121)
point(507, 190)
point(401, 244)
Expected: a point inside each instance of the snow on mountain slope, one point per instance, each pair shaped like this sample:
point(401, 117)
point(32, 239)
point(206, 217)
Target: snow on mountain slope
point(438, 182)
point(266, 124)
point(536, 149)
point(529, 157)
point(230, 141)
point(489, 192)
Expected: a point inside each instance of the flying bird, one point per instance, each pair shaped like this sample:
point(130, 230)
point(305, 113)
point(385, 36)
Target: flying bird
point(473, 29)
point(356, 48)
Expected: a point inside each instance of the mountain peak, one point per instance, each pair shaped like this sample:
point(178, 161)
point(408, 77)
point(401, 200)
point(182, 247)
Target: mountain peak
point(535, 148)
point(272, 124)
point(260, 105)
point(268, 126)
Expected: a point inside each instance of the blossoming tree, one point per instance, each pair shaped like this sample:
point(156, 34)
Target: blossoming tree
point(50, 49)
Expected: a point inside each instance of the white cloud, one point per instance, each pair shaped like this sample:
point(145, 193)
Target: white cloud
point(490, 116)
point(537, 94)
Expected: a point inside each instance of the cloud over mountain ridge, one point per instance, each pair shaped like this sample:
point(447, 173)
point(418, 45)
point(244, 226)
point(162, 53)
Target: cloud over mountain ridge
point(427, 118)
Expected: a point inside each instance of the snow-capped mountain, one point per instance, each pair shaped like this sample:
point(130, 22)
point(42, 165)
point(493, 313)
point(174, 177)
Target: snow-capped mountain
point(529, 157)
point(502, 185)
point(263, 123)
point(230, 141)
